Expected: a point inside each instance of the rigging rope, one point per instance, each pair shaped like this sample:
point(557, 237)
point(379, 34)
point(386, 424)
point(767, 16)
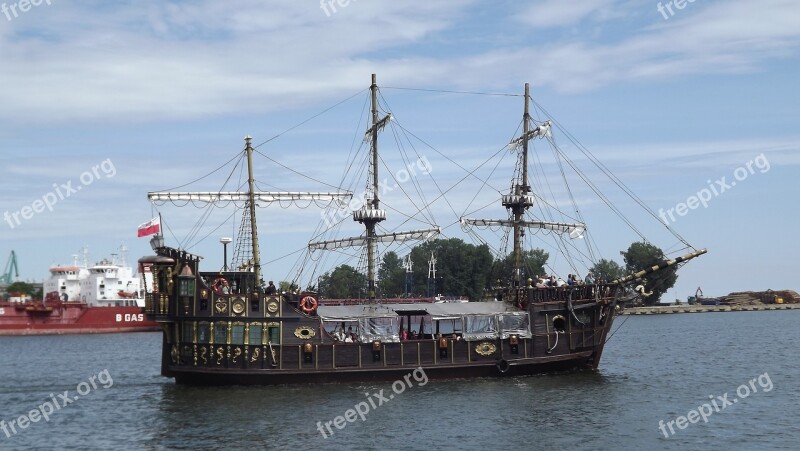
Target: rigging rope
point(603, 168)
point(500, 94)
point(310, 118)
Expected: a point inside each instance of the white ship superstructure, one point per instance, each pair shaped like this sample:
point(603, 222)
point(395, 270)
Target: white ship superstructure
point(112, 283)
point(66, 280)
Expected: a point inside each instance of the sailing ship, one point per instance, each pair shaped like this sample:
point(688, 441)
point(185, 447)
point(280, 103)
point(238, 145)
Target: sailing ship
point(224, 327)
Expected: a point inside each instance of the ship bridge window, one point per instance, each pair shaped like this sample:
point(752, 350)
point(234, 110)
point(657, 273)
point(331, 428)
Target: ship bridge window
point(203, 332)
point(221, 332)
point(188, 327)
point(255, 333)
point(274, 335)
point(237, 334)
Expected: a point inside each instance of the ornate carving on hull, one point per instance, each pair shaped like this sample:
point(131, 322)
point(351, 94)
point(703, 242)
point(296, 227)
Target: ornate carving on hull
point(485, 348)
point(256, 353)
point(237, 351)
point(203, 352)
point(220, 355)
point(221, 306)
point(175, 354)
point(304, 333)
point(238, 306)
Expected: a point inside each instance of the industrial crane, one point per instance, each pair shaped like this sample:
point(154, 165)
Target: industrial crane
point(6, 279)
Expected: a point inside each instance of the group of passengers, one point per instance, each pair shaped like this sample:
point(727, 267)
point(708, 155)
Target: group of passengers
point(546, 281)
point(406, 335)
point(409, 335)
point(345, 337)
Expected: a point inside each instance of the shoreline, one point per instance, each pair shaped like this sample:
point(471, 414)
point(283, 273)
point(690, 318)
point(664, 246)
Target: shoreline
point(666, 309)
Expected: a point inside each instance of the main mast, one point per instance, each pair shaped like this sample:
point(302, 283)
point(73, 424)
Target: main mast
point(371, 214)
point(252, 204)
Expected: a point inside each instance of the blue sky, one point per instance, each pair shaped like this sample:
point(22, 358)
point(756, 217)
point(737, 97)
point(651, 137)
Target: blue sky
point(163, 92)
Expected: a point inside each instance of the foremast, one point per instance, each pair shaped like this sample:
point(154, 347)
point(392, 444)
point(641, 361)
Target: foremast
point(519, 200)
point(252, 205)
point(249, 198)
point(370, 215)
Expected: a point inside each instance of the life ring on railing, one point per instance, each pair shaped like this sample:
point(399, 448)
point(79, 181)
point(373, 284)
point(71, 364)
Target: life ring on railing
point(308, 304)
point(503, 366)
point(220, 285)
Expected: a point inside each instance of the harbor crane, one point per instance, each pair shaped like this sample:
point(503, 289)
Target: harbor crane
point(6, 279)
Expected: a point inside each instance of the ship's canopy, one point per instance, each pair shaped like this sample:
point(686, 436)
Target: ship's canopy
point(477, 320)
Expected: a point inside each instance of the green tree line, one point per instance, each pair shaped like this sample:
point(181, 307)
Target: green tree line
point(464, 269)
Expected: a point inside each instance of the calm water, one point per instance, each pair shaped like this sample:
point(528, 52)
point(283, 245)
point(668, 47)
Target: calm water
point(655, 368)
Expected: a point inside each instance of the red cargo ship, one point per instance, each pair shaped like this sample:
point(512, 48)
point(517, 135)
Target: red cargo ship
point(81, 299)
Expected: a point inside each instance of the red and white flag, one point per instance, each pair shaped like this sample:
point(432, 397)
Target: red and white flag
point(150, 227)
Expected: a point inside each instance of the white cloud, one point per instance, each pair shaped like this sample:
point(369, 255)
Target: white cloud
point(559, 13)
point(75, 61)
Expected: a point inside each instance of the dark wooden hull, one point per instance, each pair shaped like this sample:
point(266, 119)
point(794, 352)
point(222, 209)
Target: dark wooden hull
point(218, 338)
point(327, 362)
point(582, 361)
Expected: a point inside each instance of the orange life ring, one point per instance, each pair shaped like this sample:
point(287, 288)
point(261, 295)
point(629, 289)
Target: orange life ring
point(219, 284)
point(308, 304)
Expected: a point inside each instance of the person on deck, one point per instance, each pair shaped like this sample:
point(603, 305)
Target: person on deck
point(271, 288)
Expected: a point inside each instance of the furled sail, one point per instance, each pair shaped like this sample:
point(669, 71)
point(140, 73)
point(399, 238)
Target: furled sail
point(574, 230)
point(398, 237)
point(233, 196)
